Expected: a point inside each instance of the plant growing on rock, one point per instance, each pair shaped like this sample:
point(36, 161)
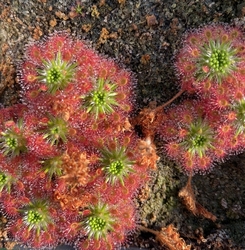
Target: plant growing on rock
point(209, 126)
point(70, 161)
point(210, 65)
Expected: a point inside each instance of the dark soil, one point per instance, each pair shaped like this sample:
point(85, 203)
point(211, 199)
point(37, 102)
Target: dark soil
point(143, 35)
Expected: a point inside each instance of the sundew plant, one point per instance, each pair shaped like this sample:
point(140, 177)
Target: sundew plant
point(210, 66)
point(71, 161)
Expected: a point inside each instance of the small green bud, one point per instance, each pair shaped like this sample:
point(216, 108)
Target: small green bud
point(52, 166)
point(36, 216)
point(53, 75)
point(220, 58)
point(102, 99)
point(96, 224)
point(56, 131)
point(6, 181)
point(116, 164)
point(56, 73)
point(99, 222)
point(199, 138)
point(12, 141)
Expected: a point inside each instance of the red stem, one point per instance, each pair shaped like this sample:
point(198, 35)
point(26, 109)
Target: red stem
point(159, 108)
point(142, 228)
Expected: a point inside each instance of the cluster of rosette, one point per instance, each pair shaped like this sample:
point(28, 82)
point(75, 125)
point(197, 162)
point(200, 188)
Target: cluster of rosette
point(211, 124)
point(70, 163)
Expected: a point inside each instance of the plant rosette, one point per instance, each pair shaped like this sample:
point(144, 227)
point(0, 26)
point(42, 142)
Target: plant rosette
point(211, 61)
point(191, 135)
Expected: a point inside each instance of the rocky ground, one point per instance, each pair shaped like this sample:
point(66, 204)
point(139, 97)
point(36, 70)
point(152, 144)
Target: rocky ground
point(143, 35)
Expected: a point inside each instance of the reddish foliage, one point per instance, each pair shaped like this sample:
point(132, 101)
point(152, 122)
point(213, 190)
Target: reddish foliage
point(68, 174)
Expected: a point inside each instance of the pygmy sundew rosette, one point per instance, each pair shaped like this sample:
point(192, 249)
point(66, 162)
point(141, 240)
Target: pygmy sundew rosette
point(211, 61)
point(192, 137)
point(106, 218)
